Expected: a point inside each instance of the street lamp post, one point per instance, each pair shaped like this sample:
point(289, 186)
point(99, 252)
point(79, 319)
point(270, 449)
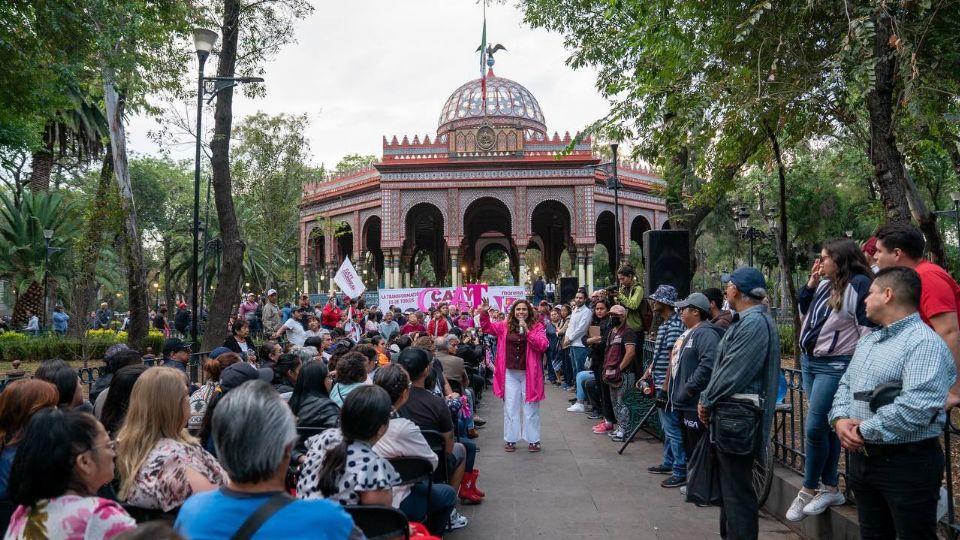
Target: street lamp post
point(741, 218)
point(204, 41)
point(614, 183)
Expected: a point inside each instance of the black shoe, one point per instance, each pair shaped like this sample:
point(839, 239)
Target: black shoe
point(594, 415)
point(673, 481)
point(572, 400)
point(660, 469)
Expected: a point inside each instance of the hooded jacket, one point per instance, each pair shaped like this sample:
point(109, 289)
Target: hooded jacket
point(698, 352)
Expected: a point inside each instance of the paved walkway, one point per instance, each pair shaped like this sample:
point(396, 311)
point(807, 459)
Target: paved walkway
point(579, 488)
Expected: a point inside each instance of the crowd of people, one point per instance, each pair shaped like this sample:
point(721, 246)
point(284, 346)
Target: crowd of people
point(283, 434)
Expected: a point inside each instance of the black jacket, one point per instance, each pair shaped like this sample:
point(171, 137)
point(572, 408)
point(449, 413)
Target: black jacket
point(697, 356)
point(181, 321)
point(317, 412)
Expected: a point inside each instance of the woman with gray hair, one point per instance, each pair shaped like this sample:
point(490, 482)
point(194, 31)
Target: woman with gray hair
point(247, 427)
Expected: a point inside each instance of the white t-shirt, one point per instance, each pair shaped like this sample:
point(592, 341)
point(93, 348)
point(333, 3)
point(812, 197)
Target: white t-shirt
point(295, 332)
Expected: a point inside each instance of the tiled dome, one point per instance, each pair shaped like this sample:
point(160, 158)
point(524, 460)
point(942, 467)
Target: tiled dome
point(508, 103)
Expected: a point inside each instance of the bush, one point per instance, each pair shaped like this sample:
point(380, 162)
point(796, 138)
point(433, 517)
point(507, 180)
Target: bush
point(787, 340)
point(14, 345)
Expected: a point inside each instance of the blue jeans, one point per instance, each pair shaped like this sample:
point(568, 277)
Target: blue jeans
point(673, 454)
point(442, 500)
point(566, 367)
point(578, 357)
point(551, 372)
point(821, 377)
point(582, 377)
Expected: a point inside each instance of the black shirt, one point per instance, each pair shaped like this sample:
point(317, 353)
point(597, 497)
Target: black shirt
point(427, 411)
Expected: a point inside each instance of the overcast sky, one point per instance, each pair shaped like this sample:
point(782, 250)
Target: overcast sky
point(364, 69)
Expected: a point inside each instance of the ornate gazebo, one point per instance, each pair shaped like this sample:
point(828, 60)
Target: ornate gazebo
point(489, 179)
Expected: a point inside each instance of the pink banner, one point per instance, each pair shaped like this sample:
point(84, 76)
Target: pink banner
point(468, 296)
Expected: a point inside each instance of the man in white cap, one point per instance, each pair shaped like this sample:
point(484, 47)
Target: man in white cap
point(271, 313)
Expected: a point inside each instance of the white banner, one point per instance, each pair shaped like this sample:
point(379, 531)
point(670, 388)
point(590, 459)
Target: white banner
point(468, 296)
point(348, 280)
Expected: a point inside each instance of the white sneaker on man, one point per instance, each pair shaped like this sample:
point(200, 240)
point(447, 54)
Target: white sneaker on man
point(823, 500)
point(795, 512)
point(457, 520)
point(576, 407)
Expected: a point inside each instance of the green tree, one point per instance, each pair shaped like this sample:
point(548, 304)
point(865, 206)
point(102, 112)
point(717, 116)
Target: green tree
point(354, 162)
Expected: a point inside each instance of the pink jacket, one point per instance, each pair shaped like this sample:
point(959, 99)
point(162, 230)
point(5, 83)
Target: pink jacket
point(536, 344)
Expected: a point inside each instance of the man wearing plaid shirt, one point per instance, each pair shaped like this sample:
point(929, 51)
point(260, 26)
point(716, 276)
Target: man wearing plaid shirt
point(896, 461)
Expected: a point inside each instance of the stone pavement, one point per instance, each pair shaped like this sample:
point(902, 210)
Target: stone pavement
point(579, 488)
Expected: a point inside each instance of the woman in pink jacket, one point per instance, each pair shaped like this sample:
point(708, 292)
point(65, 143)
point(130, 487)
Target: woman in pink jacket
point(518, 372)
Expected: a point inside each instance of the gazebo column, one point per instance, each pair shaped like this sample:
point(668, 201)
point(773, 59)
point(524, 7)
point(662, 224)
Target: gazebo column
point(522, 265)
point(454, 267)
point(588, 258)
point(581, 267)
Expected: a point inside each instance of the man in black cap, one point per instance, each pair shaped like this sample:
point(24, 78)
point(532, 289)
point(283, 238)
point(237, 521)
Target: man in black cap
point(746, 369)
point(176, 354)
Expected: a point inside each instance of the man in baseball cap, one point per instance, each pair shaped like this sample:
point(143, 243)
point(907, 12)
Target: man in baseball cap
point(271, 313)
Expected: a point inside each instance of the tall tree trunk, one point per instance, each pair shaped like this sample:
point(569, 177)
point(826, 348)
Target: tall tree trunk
point(784, 254)
point(41, 164)
point(88, 250)
point(133, 247)
point(228, 280)
point(897, 191)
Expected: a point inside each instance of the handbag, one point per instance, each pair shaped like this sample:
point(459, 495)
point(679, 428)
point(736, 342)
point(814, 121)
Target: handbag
point(703, 478)
point(736, 426)
point(613, 377)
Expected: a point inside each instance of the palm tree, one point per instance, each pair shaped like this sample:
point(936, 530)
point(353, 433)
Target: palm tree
point(78, 130)
point(24, 258)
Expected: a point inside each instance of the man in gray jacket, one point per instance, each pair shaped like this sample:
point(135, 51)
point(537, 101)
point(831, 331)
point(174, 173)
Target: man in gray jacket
point(271, 313)
point(748, 361)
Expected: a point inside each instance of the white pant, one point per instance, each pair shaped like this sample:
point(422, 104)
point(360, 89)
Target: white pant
point(514, 400)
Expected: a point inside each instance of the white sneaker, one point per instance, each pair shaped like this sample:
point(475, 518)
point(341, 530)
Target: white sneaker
point(576, 407)
point(683, 490)
point(457, 521)
point(616, 433)
point(796, 510)
point(823, 500)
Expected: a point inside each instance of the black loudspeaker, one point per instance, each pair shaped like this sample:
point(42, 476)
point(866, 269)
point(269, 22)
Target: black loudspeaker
point(668, 260)
point(568, 289)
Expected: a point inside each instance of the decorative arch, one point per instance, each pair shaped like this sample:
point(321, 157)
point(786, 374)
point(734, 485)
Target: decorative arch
point(434, 197)
point(638, 226)
point(551, 222)
point(606, 236)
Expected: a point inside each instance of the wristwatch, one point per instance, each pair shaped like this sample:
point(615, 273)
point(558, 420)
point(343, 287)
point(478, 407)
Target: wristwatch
point(833, 424)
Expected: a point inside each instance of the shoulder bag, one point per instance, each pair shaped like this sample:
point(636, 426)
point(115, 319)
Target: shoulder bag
point(266, 511)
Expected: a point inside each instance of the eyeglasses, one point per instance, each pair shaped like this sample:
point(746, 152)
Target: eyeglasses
point(111, 444)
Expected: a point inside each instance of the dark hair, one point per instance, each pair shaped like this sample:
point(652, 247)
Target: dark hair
point(904, 281)
point(850, 261)
point(627, 270)
point(364, 412)
point(126, 357)
point(62, 376)
point(337, 333)
point(376, 339)
point(605, 302)
point(402, 342)
point(215, 366)
point(118, 397)
point(512, 324)
point(394, 379)
point(265, 350)
point(565, 307)
point(19, 401)
point(352, 368)
point(287, 363)
point(902, 236)
point(43, 466)
point(312, 380)
point(368, 351)
point(414, 360)
point(715, 296)
point(238, 325)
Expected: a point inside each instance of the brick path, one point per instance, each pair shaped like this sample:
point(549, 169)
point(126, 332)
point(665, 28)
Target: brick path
point(579, 488)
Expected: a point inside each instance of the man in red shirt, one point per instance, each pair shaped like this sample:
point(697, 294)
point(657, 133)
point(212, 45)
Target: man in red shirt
point(901, 244)
point(331, 314)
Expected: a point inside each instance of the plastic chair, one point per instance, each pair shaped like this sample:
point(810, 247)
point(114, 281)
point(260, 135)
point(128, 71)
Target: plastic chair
point(380, 522)
point(438, 443)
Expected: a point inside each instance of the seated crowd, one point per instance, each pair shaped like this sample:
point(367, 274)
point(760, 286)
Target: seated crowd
point(324, 421)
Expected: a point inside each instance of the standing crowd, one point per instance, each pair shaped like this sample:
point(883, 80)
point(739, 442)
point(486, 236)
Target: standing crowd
point(342, 406)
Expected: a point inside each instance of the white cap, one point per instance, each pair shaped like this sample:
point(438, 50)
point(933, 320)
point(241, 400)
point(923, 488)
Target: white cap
point(271, 292)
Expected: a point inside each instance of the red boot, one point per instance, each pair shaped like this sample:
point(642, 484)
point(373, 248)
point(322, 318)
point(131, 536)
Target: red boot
point(468, 491)
point(476, 475)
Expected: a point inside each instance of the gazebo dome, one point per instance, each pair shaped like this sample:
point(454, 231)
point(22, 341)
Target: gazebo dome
point(509, 103)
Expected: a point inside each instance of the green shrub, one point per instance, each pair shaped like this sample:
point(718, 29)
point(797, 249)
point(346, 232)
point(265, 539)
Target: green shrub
point(787, 340)
point(14, 345)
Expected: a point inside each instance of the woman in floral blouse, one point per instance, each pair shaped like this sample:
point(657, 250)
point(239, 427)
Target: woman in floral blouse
point(64, 458)
point(341, 464)
point(159, 462)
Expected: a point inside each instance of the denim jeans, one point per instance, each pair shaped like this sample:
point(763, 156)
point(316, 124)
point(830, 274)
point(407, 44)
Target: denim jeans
point(442, 500)
point(673, 454)
point(582, 377)
point(578, 357)
point(551, 371)
point(821, 377)
point(566, 367)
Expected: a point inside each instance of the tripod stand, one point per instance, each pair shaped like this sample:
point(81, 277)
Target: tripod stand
point(637, 429)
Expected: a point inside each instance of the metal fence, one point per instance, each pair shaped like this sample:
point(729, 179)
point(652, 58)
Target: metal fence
point(789, 446)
